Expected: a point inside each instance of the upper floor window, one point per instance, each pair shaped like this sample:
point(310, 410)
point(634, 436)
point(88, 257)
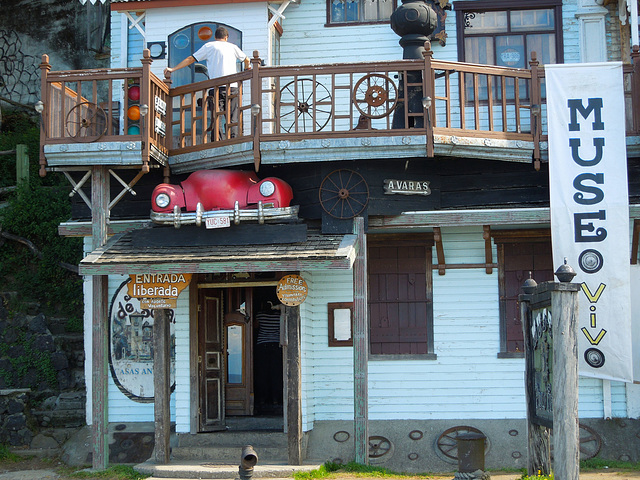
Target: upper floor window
point(347, 12)
point(400, 296)
point(184, 42)
point(506, 33)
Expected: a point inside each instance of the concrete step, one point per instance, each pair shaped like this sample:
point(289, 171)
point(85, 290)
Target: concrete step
point(227, 454)
point(194, 470)
point(233, 439)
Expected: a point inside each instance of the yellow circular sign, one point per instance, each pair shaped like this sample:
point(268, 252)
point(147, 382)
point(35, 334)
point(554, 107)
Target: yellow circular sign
point(292, 290)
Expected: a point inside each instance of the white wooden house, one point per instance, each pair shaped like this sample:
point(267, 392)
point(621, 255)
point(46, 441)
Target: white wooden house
point(430, 281)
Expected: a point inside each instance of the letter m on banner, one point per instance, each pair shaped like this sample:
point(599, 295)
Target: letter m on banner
point(590, 208)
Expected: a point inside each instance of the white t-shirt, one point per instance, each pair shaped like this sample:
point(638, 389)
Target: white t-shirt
point(221, 57)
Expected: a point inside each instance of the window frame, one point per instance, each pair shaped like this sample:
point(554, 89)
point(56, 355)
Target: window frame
point(424, 240)
point(507, 5)
point(329, 23)
point(500, 238)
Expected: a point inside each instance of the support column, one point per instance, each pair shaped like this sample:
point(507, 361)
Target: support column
point(100, 215)
point(566, 435)
point(294, 389)
point(161, 384)
point(360, 346)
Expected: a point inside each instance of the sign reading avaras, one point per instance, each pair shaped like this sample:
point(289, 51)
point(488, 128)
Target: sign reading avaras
point(590, 208)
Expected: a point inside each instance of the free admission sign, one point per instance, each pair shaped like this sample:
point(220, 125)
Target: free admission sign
point(590, 208)
point(158, 290)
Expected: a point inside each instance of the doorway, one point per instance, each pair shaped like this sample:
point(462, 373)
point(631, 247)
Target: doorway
point(239, 358)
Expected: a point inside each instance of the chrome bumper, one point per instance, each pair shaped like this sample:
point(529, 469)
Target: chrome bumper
point(261, 215)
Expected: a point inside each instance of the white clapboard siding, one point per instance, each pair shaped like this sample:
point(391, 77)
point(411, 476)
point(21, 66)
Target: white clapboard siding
point(117, 32)
point(182, 394)
point(327, 371)
point(121, 408)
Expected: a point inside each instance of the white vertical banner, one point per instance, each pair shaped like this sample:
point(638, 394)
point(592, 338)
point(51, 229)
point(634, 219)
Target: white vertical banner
point(590, 208)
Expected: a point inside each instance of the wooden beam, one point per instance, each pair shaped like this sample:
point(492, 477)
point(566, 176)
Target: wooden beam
point(100, 311)
point(294, 386)
point(161, 385)
point(360, 346)
point(488, 252)
point(437, 237)
point(634, 242)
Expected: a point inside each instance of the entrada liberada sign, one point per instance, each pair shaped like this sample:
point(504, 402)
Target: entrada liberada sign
point(158, 290)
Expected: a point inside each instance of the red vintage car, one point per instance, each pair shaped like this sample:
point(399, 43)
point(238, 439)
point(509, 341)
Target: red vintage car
point(218, 197)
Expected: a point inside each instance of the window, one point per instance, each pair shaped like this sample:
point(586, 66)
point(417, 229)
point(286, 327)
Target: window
point(505, 34)
point(184, 42)
point(520, 253)
point(400, 296)
point(345, 12)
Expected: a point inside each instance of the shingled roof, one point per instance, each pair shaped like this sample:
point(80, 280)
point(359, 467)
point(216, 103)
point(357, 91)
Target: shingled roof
point(126, 253)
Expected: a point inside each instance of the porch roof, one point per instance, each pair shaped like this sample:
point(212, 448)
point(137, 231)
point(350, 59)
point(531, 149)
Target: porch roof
point(123, 254)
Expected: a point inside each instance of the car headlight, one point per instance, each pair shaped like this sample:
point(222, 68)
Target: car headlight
point(267, 188)
point(163, 200)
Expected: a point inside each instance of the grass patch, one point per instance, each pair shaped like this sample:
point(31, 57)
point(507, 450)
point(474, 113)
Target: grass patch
point(115, 472)
point(7, 456)
point(599, 464)
point(334, 470)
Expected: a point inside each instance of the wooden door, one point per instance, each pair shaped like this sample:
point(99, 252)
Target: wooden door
point(211, 360)
point(239, 398)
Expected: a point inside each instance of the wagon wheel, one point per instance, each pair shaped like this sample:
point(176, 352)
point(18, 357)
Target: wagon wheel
point(344, 194)
point(305, 106)
point(86, 122)
point(375, 95)
point(590, 442)
point(447, 442)
point(378, 446)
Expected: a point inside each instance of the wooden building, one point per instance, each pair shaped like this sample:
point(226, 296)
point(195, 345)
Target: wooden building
point(419, 220)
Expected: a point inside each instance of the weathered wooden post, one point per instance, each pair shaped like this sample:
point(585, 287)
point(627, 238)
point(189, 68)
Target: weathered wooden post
point(566, 436)
point(360, 346)
point(549, 316)
point(294, 387)
point(161, 384)
point(22, 165)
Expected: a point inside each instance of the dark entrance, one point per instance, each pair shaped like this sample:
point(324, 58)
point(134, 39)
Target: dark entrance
point(239, 358)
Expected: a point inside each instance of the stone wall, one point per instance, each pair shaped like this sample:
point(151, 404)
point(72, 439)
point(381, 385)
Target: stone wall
point(42, 388)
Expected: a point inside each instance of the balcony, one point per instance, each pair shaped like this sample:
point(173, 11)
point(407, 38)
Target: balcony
point(412, 108)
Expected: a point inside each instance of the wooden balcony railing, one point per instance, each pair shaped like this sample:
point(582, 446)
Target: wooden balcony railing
point(406, 97)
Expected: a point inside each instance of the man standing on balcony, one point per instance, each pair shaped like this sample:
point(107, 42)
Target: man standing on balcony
point(221, 57)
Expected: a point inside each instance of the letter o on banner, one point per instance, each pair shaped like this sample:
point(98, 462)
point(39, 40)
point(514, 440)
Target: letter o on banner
point(292, 290)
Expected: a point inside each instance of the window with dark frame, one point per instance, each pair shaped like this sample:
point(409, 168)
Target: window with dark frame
point(520, 254)
point(505, 33)
point(400, 296)
point(357, 12)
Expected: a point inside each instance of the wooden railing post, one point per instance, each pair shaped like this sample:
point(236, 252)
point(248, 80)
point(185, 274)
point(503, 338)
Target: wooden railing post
point(429, 92)
point(145, 124)
point(256, 107)
point(635, 89)
point(535, 109)
point(45, 97)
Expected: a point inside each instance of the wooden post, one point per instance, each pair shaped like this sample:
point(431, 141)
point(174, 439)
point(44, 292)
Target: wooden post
point(294, 393)
point(566, 441)
point(45, 67)
point(429, 91)
point(161, 384)
point(100, 214)
point(256, 121)
point(22, 165)
point(145, 99)
point(536, 104)
point(539, 453)
point(360, 347)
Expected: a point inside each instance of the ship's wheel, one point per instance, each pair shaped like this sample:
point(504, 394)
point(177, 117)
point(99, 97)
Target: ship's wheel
point(375, 95)
point(344, 194)
point(305, 106)
point(86, 122)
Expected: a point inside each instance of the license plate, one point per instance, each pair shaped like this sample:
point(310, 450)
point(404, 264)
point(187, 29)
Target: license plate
point(217, 222)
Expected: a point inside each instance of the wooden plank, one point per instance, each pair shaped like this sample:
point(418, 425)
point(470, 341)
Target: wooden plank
point(193, 356)
point(161, 385)
point(100, 409)
point(566, 436)
point(294, 386)
point(360, 346)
